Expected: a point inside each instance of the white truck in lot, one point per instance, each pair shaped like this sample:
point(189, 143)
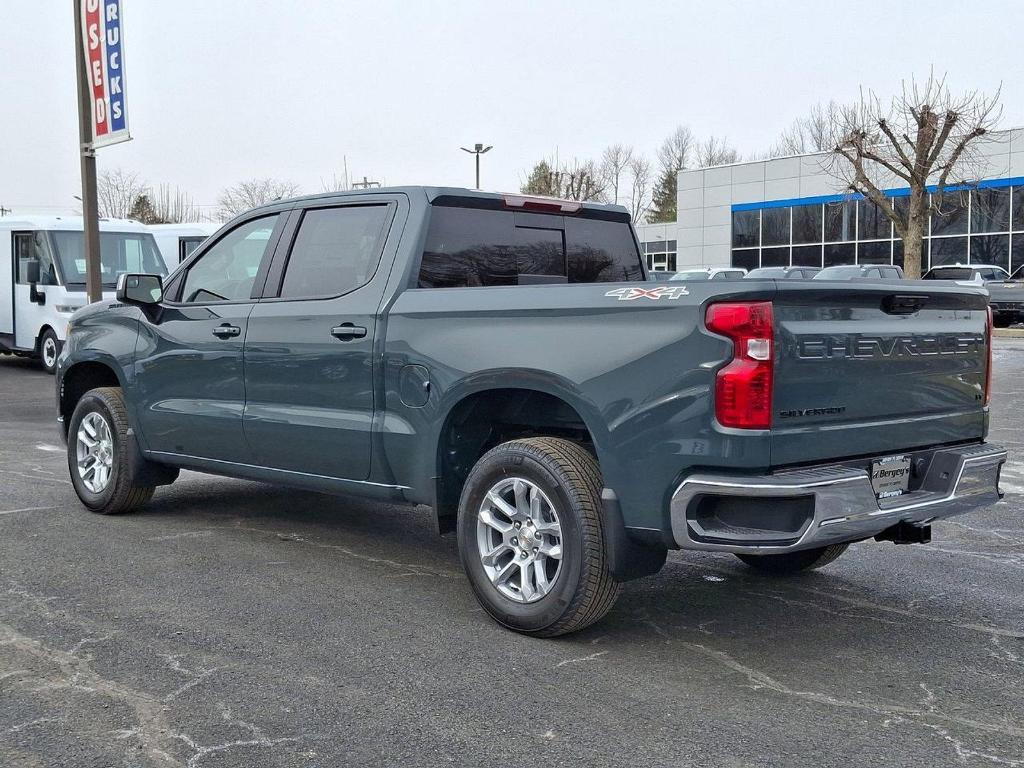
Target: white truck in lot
point(177, 241)
point(42, 276)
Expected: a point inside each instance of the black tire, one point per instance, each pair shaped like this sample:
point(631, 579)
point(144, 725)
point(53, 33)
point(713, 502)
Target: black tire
point(794, 562)
point(583, 590)
point(49, 351)
point(122, 492)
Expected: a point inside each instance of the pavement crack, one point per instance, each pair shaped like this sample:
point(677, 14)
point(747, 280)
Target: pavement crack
point(591, 657)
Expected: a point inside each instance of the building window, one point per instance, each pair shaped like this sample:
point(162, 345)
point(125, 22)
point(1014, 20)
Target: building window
point(775, 257)
point(807, 224)
point(991, 249)
point(872, 223)
point(839, 254)
point(874, 253)
point(746, 229)
point(841, 221)
point(949, 214)
point(1017, 221)
point(775, 226)
point(990, 210)
point(1017, 253)
point(806, 255)
point(745, 258)
point(948, 250)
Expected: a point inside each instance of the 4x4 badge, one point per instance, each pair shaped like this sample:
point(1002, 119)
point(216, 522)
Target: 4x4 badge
point(661, 292)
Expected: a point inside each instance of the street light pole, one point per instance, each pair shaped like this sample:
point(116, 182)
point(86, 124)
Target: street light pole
point(90, 208)
point(478, 149)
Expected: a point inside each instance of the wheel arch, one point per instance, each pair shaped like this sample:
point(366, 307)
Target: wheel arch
point(79, 378)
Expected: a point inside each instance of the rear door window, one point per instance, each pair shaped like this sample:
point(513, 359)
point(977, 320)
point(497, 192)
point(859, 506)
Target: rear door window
point(336, 250)
point(476, 247)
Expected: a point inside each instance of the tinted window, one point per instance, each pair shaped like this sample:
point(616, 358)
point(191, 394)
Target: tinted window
point(948, 250)
point(807, 255)
point(227, 271)
point(991, 249)
point(1017, 221)
point(839, 273)
point(840, 221)
point(746, 259)
point(745, 228)
point(874, 253)
point(336, 250)
point(474, 247)
point(807, 224)
point(949, 273)
point(839, 254)
point(775, 226)
point(950, 214)
point(767, 272)
point(775, 257)
point(990, 210)
point(872, 222)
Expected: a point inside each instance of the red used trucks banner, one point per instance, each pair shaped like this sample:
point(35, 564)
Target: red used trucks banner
point(102, 37)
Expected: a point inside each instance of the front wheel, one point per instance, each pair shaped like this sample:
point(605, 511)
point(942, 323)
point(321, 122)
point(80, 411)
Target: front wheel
point(794, 562)
point(99, 454)
point(49, 350)
point(531, 540)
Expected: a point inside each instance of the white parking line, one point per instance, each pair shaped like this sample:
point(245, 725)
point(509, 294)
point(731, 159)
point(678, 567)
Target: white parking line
point(25, 509)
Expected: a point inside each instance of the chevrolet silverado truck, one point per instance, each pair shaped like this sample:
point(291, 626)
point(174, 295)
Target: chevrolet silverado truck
point(504, 360)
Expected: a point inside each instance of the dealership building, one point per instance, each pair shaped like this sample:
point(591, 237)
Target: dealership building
point(794, 211)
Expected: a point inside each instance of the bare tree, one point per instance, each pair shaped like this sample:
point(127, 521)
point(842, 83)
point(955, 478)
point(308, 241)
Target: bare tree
point(813, 133)
point(674, 154)
point(640, 192)
point(715, 151)
point(253, 193)
point(575, 180)
point(174, 206)
point(614, 161)
point(117, 191)
point(926, 135)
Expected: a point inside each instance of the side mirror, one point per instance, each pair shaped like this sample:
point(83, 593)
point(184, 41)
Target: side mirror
point(30, 270)
point(145, 290)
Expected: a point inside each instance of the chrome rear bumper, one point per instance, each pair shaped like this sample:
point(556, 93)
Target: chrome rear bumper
point(840, 502)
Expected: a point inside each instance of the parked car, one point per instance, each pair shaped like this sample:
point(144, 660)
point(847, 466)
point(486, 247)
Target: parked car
point(177, 241)
point(708, 273)
point(1006, 293)
point(42, 280)
point(500, 358)
point(860, 272)
point(784, 273)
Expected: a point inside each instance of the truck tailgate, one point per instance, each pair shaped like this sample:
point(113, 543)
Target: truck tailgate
point(876, 368)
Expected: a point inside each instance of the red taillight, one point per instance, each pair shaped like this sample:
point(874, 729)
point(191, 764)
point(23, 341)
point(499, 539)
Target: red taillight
point(743, 389)
point(546, 204)
point(988, 369)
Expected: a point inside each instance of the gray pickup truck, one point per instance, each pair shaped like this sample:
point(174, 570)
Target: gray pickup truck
point(1006, 292)
point(503, 360)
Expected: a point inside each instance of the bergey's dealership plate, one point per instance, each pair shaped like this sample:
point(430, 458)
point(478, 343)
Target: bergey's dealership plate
point(890, 476)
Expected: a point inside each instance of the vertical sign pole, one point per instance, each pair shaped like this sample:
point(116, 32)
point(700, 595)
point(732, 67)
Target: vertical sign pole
point(90, 209)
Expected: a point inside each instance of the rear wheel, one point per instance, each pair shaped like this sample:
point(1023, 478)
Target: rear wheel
point(794, 562)
point(530, 537)
point(49, 350)
point(99, 454)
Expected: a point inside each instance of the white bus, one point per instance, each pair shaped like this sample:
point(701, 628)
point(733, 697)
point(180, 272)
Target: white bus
point(42, 276)
point(177, 241)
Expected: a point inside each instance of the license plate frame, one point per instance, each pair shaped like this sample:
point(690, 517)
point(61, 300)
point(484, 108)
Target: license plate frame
point(890, 476)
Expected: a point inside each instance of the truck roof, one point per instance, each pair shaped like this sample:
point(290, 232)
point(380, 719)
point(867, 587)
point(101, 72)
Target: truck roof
point(72, 223)
point(433, 193)
point(185, 228)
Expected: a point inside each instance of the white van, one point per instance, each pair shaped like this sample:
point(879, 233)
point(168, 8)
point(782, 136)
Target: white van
point(177, 241)
point(42, 276)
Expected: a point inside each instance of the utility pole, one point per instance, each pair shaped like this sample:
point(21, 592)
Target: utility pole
point(4, 211)
point(90, 208)
point(365, 184)
point(478, 149)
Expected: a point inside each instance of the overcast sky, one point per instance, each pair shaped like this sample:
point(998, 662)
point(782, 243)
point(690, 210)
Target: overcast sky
point(222, 90)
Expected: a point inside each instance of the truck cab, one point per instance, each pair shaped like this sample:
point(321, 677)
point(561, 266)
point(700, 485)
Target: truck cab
point(42, 276)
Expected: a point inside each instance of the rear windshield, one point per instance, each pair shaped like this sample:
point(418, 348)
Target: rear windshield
point(477, 247)
point(767, 272)
point(839, 273)
point(950, 273)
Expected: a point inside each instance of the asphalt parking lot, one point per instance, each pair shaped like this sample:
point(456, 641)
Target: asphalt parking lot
point(238, 624)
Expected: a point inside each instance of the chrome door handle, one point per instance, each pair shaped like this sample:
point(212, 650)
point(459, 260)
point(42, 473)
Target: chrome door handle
point(348, 332)
point(226, 331)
